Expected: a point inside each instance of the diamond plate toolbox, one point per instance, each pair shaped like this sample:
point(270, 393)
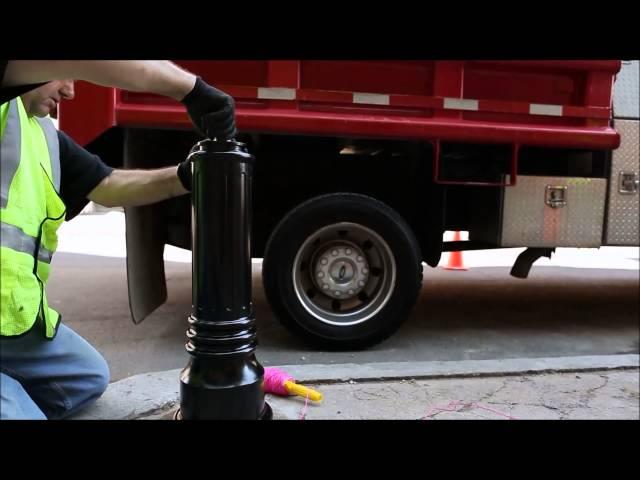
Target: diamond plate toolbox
point(624, 203)
point(553, 212)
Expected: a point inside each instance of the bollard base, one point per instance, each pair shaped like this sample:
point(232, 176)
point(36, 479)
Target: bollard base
point(222, 388)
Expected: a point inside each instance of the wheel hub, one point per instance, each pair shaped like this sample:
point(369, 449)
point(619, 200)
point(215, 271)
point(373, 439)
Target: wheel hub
point(341, 271)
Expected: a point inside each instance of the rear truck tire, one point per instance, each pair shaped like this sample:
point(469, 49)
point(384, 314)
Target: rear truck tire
point(342, 271)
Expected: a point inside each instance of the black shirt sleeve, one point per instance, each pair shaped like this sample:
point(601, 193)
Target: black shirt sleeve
point(81, 172)
point(9, 93)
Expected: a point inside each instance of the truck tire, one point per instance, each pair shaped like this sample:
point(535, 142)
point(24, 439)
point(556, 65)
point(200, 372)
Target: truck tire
point(342, 271)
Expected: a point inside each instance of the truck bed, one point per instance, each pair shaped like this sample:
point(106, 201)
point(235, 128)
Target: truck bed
point(538, 103)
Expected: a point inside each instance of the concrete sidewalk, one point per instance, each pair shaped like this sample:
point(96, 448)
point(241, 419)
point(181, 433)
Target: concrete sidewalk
point(593, 387)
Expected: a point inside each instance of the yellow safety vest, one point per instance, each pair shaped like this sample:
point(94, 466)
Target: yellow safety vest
point(31, 211)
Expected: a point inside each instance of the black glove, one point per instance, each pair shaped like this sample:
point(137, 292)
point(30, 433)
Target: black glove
point(185, 175)
point(211, 110)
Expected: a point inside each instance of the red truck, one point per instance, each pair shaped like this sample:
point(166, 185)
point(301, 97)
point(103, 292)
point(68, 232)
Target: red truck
point(362, 165)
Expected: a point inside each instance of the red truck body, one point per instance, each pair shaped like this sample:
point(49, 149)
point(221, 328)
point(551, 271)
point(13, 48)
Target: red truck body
point(545, 103)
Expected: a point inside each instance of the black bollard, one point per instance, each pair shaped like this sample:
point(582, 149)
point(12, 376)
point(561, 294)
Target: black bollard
point(223, 379)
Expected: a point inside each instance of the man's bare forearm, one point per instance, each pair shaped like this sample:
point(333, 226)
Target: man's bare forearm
point(161, 77)
point(130, 188)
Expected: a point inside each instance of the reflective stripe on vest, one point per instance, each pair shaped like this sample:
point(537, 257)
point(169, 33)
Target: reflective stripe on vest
point(51, 134)
point(14, 238)
point(9, 152)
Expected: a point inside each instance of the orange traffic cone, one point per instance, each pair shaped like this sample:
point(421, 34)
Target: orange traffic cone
point(455, 258)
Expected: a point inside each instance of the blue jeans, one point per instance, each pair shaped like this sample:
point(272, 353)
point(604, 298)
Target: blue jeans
point(44, 379)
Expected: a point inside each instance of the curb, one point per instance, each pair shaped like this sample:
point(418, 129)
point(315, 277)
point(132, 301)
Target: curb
point(153, 394)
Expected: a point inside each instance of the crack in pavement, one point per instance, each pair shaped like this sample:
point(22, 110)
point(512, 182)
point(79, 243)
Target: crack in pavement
point(491, 394)
point(589, 395)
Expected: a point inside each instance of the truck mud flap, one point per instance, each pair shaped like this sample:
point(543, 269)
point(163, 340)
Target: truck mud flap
point(145, 263)
point(146, 233)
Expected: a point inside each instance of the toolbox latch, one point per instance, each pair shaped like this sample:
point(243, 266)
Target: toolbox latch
point(556, 196)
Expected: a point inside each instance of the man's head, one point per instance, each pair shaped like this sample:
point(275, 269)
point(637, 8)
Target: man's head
point(41, 101)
